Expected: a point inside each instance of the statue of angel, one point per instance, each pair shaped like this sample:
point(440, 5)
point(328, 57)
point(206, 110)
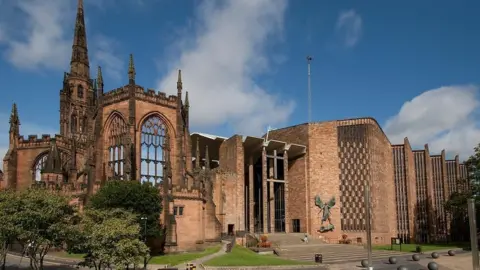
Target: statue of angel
point(325, 208)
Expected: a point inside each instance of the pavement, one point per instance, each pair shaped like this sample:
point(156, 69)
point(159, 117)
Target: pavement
point(18, 262)
point(461, 261)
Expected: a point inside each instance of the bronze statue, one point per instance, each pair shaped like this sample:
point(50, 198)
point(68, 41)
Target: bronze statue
point(325, 208)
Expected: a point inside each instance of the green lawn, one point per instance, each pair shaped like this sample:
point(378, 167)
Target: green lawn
point(241, 256)
point(425, 247)
point(176, 259)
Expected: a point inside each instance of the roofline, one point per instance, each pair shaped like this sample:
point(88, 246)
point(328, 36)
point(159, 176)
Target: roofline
point(209, 136)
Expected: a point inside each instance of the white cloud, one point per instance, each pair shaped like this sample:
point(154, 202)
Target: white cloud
point(220, 63)
point(26, 128)
point(349, 27)
point(105, 54)
point(46, 39)
point(445, 118)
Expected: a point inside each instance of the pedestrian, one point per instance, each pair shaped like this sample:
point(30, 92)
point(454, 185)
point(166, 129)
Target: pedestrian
point(305, 239)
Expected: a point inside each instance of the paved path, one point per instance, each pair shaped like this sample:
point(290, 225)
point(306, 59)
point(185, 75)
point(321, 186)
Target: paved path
point(461, 261)
point(198, 262)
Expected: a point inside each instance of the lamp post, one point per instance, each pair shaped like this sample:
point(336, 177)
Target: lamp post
point(473, 233)
point(145, 229)
point(144, 239)
point(368, 227)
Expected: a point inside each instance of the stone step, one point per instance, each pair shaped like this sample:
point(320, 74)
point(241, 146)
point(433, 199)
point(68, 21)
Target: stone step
point(338, 255)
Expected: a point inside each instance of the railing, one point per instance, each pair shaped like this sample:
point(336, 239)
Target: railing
point(231, 241)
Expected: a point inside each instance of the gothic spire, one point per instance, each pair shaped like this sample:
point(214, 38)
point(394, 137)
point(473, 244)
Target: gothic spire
point(99, 79)
point(187, 102)
point(14, 120)
point(131, 70)
point(54, 162)
point(197, 154)
point(207, 158)
point(179, 81)
point(79, 64)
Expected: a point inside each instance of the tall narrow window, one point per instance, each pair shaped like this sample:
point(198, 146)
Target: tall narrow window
point(152, 152)
point(74, 123)
point(80, 91)
point(83, 125)
point(38, 167)
point(116, 157)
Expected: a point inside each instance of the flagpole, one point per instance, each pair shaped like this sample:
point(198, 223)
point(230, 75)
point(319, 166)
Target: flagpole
point(309, 60)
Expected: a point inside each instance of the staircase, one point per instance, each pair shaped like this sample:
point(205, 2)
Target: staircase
point(291, 246)
point(286, 239)
point(334, 253)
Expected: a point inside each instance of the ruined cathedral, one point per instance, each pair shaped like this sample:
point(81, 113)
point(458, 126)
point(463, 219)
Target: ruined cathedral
point(212, 185)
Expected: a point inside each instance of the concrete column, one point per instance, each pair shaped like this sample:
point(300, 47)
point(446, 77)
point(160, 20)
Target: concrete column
point(272, 207)
point(411, 183)
point(251, 201)
point(446, 195)
point(285, 173)
point(264, 187)
point(432, 230)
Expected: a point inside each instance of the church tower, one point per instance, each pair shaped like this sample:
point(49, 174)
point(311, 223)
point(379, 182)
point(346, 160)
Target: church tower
point(78, 96)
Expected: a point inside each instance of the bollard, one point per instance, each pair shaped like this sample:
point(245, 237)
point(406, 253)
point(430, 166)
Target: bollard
point(392, 260)
point(416, 257)
point(432, 266)
point(435, 255)
point(318, 258)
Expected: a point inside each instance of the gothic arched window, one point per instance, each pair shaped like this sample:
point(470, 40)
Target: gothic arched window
point(153, 133)
point(41, 162)
point(80, 91)
point(38, 167)
point(73, 123)
point(83, 125)
point(116, 150)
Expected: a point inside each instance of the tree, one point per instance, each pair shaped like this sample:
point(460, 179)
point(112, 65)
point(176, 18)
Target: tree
point(44, 220)
point(467, 188)
point(144, 200)
point(9, 227)
point(111, 238)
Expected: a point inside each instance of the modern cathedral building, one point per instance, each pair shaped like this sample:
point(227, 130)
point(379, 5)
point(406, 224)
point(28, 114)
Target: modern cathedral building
point(285, 182)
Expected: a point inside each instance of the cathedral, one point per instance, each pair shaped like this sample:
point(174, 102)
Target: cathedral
point(308, 178)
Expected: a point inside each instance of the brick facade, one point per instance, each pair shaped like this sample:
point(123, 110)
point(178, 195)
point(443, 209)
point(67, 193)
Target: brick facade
point(213, 185)
point(424, 183)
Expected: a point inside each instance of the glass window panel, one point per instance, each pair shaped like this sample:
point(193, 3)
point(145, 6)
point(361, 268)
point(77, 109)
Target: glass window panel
point(152, 153)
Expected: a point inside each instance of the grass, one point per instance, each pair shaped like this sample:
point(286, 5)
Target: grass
point(176, 259)
point(241, 256)
point(425, 247)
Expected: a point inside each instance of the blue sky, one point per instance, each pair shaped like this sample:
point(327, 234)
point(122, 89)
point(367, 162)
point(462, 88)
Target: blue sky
point(412, 65)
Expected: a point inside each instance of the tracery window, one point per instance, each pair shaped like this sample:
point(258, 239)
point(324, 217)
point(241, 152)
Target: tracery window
point(80, 91)
point(38, 167)
point(41, 162)
point(153, 133)
point(73, 123)
point(116, 150)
